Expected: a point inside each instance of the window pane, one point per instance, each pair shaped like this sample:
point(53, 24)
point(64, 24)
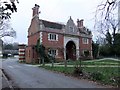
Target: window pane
point(55, 37)
point(52, 52)
point(85, 40)
point(52, 36)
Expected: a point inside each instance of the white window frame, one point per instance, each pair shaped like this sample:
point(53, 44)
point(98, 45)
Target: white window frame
point(85, 40)
point(52, 37)
point(53, 52)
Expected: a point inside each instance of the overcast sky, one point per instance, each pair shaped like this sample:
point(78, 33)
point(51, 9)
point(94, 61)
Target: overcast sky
point(53, 10)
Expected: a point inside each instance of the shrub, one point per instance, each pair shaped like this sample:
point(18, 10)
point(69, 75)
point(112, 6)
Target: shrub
point(86, 53)
point(78, 71)
point(96, 76)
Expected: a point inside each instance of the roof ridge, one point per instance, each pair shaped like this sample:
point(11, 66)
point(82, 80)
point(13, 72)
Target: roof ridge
point(51, 24)
point(51, 21)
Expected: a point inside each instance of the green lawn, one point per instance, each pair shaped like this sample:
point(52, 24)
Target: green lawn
point(108, 75)
point(102, 62)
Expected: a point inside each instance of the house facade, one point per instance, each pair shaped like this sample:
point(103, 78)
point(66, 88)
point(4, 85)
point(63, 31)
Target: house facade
point(64, 41)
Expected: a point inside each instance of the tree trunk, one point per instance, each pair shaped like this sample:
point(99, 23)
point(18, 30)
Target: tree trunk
point(43, 63)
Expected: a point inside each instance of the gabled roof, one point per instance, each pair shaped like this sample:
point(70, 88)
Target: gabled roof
point(52, 24)
point(60, 26)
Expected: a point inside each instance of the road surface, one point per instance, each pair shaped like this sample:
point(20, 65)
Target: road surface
point(29, 76)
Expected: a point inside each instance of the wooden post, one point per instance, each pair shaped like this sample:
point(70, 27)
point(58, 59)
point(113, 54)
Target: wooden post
point(65, 62)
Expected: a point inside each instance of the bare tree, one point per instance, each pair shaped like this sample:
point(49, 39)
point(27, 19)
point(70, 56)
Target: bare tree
point(105, 17)
point(6, 8)
point(107, 22)
point(106, 9)
point(6, 29)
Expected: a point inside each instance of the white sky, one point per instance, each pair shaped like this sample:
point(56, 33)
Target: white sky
point(53, 10)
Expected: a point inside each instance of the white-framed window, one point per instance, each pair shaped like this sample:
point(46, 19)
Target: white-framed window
point(85, 40)
point(53, 52)
point(53, 37)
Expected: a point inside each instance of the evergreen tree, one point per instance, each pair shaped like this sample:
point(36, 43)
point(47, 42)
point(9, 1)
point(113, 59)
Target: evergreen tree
point(95, 48)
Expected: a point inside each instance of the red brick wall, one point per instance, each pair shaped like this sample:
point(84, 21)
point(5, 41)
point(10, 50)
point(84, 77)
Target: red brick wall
point(28, 55)
point(33, 31)
point(54, 44)
point(31, 55)
point(85, 46)
point(32, 40)
point(33, 36)
point(34, 27)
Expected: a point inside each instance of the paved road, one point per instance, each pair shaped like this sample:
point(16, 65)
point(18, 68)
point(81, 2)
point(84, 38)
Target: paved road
point(28, 76)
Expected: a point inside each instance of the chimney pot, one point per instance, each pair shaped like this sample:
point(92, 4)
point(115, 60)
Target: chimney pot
point(80, 23)
point(35, 10)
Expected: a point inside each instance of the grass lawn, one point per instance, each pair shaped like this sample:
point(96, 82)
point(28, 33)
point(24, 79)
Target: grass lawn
point(108, 75)
point(102, 62)
point(104, 75)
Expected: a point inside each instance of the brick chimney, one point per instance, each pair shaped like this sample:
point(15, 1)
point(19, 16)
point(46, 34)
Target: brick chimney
point(80, 23)
point(35, 10)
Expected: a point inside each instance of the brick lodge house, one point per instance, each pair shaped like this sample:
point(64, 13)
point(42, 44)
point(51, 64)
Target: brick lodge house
point(67, 41)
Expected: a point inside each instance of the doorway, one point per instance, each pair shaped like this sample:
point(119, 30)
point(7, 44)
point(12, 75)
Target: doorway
point(70, 50)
